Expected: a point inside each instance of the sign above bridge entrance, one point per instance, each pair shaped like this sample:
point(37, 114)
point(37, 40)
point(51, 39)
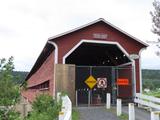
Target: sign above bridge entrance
point(122, 81)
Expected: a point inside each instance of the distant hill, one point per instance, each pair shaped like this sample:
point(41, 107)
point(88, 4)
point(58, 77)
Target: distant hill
point(151, 78)
point(150, 74)
point(19, 76)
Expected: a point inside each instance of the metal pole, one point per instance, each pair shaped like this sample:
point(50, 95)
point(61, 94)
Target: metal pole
point(117, 88)
point(89, 100)
point(133, 78)
point(119, 107)
point(108, 100)
point(131, 111)
point(116, 80)
point(114, 93)
point(76, 98)
point(90, 70)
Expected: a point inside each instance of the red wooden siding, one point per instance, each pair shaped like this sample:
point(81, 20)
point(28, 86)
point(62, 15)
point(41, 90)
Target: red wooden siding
point(43, 74)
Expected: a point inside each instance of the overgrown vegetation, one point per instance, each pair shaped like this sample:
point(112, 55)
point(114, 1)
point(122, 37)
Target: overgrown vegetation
point(45, 108)
point(9, 91)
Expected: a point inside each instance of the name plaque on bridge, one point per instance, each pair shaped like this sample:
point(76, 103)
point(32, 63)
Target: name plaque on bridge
point(100, 36)
point(91, 81)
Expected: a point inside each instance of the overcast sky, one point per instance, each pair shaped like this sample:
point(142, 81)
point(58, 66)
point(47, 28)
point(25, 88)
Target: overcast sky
point(25, 25)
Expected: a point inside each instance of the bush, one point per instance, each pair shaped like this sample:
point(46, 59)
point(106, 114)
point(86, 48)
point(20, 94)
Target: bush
point(10, 115)
point(45, 108)
point(40, 116)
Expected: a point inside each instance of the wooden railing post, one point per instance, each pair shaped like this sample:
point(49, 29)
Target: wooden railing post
point(154, 115)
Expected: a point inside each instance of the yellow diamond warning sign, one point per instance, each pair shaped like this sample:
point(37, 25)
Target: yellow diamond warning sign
point(91, 81)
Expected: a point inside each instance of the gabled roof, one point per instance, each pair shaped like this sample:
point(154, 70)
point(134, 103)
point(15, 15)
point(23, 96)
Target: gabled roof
point(96, 21)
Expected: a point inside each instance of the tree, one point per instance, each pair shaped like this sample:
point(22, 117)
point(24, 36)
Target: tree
point(9, 92)
point(156, 24)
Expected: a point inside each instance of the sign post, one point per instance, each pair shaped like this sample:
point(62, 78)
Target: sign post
point(89, 97)
point(90, 82)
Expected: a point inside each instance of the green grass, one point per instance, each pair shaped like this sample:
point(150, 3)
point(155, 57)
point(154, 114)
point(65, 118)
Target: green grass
point(75, 114)
point(155, 93)
point(123, 116)
point(112, 110)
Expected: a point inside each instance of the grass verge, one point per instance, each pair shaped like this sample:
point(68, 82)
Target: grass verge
point(124, 116)
point(75, 114)
point(155, 93)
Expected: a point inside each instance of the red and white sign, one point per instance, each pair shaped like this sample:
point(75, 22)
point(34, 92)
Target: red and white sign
point(101, 82)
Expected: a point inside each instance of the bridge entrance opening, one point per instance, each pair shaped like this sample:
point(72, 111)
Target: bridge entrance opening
point(104, 65)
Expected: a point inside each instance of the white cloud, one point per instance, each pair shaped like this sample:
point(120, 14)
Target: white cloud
point(25, 25)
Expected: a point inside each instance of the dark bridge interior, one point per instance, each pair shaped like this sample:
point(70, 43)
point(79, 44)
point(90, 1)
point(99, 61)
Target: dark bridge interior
point(96, 54)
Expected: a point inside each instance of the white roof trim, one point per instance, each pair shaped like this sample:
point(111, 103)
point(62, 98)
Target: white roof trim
point(98, 20)
point(95, 41)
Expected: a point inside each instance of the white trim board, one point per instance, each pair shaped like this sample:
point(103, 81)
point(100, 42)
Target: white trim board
point(140, 70)
point(55, 62)
point(56, 51)
point(95, 41)
point(125, 64)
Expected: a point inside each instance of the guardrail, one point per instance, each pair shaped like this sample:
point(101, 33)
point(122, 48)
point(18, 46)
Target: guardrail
point(148, 101)
point(66, 111)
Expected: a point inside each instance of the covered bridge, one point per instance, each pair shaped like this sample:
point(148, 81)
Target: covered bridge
point(88, 62)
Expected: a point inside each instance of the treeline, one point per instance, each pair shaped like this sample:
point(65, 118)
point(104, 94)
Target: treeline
point(150, 74)
point(151, 79)
point(19, 76)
